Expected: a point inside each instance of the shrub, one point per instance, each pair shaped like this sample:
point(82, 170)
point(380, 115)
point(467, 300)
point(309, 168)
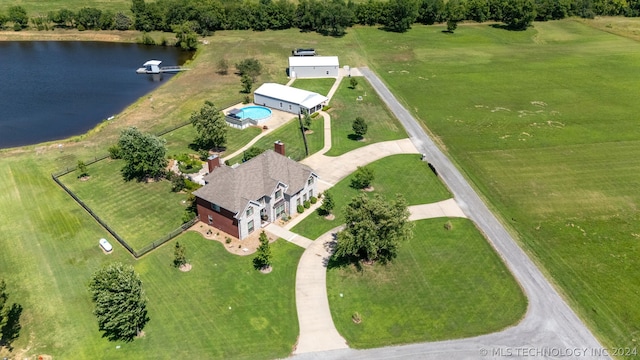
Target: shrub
point(227, 240)
point(147, 39)
point(326, 108)
point(178, 183)
point(315, 115)
point(115, 152)
point(300, 209)
point(313, 200)
point(191, 185)
point(362, 178)
point(80, 27)
point(306, 204)
point(247, 99)
point(448, 225)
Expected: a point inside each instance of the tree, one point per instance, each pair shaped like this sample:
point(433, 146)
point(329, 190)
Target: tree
point(82, 169)
point(210, 125)
point(327, 203)
point(9, 318)
point(401, 14)
point(186, 36)
point(307, 120)
point(144, 155)
point(518, 14)
point(353, 82)
point(121, 304)
point(121, 21)
point(247, 83)
point(263, 255)
point(251, 152)
point(88, 17)
point(250, 67)
point(431, 12)
point(362, 178)
point(359, 127)
point(374, 229)
point(454, 13)
point(179, 255)
point(223, 67)
point(18, 15)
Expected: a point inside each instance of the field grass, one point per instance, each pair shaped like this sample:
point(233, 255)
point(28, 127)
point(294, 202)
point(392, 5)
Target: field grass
point(36, 7)
point(444, 284)
point(139, 212)
point(291, 136)
point(382, 126)
point(544, 122)
point(320, 86)
point(417, 184)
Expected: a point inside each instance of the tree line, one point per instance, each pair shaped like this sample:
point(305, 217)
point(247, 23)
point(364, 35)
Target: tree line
point(330, 17)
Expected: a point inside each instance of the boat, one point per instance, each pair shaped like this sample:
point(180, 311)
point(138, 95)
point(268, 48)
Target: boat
point(153, 67)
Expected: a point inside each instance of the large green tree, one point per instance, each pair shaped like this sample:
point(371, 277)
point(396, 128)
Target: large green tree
point(360, 127)
point(18, 15)
point(327, 203)
point(401, 14)
point(186, 36)
point(374, 229)
point(518, 14)
point(362, 178)
point(9, 318)
point(250, 67)
point(121, 303)
point(144, 155)
point(211, 127)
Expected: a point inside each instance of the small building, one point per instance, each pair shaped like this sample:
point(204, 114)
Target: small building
point(238, 200)
point(303, 52)
point(287, 98)
point(303, 67)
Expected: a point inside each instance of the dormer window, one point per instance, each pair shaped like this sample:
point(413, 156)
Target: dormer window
point(310, 181)
point(278, 194)
point(249, 211)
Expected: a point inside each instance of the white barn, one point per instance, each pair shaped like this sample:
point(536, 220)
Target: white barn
point(287, 98)
point(302, 67)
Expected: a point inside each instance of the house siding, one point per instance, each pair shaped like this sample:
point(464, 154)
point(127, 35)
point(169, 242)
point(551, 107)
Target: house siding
point(223, 220)
point(301, 72)
point(244, 222)
point(277, 104)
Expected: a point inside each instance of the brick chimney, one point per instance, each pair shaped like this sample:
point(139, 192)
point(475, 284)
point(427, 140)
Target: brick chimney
point(278, 147)
point(213, 161)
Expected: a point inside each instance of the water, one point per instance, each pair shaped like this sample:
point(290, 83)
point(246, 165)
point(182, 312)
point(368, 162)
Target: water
point(52, 90)
point(255, 112)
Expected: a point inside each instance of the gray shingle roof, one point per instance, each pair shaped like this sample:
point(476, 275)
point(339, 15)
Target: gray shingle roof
point(233, 188)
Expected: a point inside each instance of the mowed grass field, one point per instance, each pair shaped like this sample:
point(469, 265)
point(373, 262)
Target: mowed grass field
point(544, 122)
point(444, 284)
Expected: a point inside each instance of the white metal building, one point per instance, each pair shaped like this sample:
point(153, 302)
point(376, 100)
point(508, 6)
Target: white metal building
point(287, 98)
point(302, 67)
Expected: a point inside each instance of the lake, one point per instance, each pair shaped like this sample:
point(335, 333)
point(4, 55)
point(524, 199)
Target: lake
point(51, 90)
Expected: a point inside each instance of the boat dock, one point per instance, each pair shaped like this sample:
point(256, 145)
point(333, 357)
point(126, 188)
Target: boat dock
point(153, 67)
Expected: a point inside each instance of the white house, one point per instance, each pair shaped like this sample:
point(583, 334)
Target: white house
point(302, 67)
point(287, 98)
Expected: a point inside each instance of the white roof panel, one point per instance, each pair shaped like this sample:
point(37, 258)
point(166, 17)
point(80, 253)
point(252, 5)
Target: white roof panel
point(290, 94)
point(152, 62)
point(313, 61)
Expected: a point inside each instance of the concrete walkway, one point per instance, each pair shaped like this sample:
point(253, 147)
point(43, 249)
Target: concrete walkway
point(333, 169)
point(445, 208)
point(317, 330)
point(281, 232)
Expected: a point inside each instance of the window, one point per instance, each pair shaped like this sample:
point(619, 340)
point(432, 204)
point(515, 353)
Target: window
point(310, 193)
point(304, 197)
point(279, 210)
point(250, 227)
point(289, 106)
point(278, 194)
point(215, 207)
point(210, 218)
point(249, 211)
point(280, 104)
point(327, 72)
point(310, 181)
point(298, 202)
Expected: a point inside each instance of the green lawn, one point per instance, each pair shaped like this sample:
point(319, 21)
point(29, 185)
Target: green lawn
point(320, 86)
point(382, 126)
point(444, 284)
point(139, 212)
point(544, 122)
point(36, 7)
point(417, 184)
point(291, 136)
point(179, 141)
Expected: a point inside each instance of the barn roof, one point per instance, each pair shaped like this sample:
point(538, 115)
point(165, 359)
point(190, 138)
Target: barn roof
point(313, 61)
point(290, 94)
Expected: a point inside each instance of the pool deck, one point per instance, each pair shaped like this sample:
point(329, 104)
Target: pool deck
point(278, 118)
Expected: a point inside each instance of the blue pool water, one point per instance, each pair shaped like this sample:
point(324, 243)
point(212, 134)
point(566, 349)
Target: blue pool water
point(255, 112)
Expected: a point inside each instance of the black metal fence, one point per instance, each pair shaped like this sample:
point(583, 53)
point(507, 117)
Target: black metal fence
point(136, 254)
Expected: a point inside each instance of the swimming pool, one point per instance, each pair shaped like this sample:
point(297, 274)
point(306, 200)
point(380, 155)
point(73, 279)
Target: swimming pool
point(257, 113)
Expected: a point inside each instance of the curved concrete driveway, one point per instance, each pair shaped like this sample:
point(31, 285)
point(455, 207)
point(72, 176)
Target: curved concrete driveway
point(550, 328)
